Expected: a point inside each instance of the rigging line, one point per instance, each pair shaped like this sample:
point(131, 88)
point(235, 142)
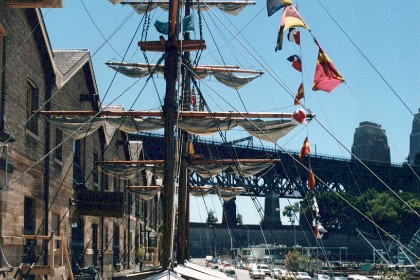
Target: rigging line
point(382, 130)
point(267, 68)
point(43, 248)
point(97, 28)
point(366, 217)
point(125, 54)
point(338, 193)
point(66, 139)
point(336, 139)
point(370, 63)
point(365, 166)
point(351, 172)
point(29, 35)
point(32, 244)
point(134, 102)
point(58, 90)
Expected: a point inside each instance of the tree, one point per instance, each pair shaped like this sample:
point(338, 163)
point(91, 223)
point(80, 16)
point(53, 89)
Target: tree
point(211, 218)
point(294, 261)
point(291, 211)
point(239, 219)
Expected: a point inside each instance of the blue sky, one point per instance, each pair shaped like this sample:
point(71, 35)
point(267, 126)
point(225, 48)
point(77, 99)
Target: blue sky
point(383, 31)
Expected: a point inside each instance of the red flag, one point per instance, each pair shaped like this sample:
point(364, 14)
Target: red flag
point(294, 36)
point(299, 116)
point(299, 95)
point(305, 150)
point(296, 63)
point(311, 180)
point(326, 77)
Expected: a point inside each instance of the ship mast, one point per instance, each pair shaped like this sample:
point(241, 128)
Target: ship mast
point(183, 194)
point(169, 112)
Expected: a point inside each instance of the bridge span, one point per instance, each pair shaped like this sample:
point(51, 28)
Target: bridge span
point(288, 178)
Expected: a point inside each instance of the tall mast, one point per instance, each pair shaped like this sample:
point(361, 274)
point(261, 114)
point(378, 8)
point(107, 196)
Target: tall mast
point(183, 194)
point(169, 112)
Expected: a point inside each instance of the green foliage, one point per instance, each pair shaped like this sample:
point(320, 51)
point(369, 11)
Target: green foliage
point(295, 261)
point(291, 211)
point(384, 208)
point(386, 273)
point(211, 218)
point(239, 220)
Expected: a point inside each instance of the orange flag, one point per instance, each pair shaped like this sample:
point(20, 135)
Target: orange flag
point(305, 150)
point(311, 180)
point(299, 95)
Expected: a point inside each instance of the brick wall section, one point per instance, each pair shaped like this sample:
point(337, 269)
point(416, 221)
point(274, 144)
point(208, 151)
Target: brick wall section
point(27, 59)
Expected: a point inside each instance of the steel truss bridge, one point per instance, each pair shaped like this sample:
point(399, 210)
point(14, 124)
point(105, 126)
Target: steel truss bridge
point(287, 177)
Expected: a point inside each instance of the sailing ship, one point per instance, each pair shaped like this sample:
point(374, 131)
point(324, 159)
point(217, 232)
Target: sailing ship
point(190, 118)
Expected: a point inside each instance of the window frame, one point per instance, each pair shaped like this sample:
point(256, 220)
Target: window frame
point(58, 152)
point(32, 104)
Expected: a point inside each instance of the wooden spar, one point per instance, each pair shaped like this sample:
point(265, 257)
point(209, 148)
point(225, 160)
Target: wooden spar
point(144, 187)
point(213, 68)
point(229, 161)
point(132, 162)
point(145, 65)
point(193, 161)
point(182, 114)
point(194, 3)
point(159, 46)
point(216, 188)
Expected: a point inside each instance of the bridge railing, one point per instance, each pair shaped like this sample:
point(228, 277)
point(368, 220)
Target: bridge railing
point(269, 149)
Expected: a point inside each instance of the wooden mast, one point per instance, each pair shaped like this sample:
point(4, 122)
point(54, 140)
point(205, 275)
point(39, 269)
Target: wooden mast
point(183, 193)
point(169, 113)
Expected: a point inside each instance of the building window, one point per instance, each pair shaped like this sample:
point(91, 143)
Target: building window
point(55, 226)
point(29, 216)
point(105, 181)
point(58, 139)
point(32, 104)
point(95, 169)
point(29, 228)
point(79, 162)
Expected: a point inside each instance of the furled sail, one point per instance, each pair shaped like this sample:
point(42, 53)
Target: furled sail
point(228, 193)
point(229, 8)
point(146, 192)
point(123, 170)
point(228, 78)
point(241, 169)
point(132, 72)
point(201, 191)
point(77, 128)
point(80, 127)
point(232, 80)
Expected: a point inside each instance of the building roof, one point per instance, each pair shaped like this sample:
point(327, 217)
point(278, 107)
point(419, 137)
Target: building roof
point(67, 59)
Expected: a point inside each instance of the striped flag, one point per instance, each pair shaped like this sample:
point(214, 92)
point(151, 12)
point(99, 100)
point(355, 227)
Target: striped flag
point(311, 180)
point(299, 95)
point(305, 150)
point(289, 19)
